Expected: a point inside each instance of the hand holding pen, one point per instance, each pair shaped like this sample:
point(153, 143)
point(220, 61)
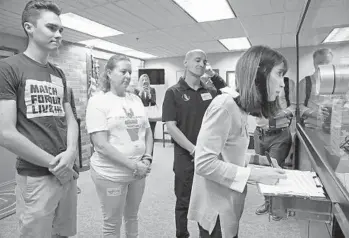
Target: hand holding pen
point(272, 162)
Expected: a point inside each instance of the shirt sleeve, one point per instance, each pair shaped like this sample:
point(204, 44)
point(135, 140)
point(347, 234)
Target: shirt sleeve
point(8, 82)
point(169, 107)
point(211, 141)
point(218, 82)
point(96, 115)
point(64, 81)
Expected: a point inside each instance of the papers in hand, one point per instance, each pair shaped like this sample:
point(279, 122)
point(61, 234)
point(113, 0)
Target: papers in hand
point(298, 183)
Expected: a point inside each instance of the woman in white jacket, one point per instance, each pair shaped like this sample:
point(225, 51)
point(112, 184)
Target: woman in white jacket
point(219, 186)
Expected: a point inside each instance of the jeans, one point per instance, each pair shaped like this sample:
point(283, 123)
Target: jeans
point(119, 199)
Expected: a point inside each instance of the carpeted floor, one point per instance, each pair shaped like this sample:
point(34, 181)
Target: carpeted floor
point(157, 209)
point(7, 201)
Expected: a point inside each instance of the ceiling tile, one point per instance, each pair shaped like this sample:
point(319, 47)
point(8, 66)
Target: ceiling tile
point(157, 12)
point(313, 36)
point(251, 7)
point(291, 22)
point(263, 25)
point(273, 41)
point(288, 40)
point(210, 46)
point(75, 36)
point(189, 33)
point(293, 5)
point(329, 3)
point(117, 18)
point(145, 39)
point(224, 29)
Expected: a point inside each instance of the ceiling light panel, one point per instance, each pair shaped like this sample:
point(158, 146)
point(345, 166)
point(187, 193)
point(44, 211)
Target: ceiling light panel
point(108, 46)
point(81, 24)
point(240, 43)
point(206, 10)
point(338, 35)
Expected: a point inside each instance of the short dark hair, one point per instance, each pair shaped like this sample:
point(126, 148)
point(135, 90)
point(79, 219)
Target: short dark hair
point(322, 51)
point(104, 82)
point(252, 73)
point(33, 9)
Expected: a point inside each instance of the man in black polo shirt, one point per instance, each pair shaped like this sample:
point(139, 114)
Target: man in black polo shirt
point(183, 109)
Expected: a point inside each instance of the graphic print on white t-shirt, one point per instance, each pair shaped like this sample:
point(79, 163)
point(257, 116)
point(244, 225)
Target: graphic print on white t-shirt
point(132, 124)
point(44, 98)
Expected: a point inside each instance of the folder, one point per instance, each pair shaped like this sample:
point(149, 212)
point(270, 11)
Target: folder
point(298, 183)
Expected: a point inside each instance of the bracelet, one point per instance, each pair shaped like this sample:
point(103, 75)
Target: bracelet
point(147, 157)
point(135, 171)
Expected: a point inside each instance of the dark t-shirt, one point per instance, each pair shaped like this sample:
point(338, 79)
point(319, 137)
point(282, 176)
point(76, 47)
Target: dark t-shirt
point(39, 91)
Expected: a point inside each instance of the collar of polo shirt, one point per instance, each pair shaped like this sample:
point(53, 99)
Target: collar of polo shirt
point(184, 84)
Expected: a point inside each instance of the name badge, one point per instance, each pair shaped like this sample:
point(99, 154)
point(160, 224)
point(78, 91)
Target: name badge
point(206, 96)
point(56, 80)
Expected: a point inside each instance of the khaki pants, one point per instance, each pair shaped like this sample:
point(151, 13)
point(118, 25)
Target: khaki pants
point(45, 207)
point(119, 199)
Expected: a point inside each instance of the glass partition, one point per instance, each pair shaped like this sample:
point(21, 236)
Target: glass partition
point(323, 92)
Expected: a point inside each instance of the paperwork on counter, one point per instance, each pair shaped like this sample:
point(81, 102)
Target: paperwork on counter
point(298, 183)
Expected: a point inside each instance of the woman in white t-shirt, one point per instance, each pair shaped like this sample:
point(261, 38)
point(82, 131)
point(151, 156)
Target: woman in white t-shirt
point(123, 143)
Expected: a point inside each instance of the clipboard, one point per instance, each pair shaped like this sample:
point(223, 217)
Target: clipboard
point(304, 200)
point(303, 184)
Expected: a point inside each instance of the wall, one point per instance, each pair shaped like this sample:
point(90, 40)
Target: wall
point(71, 59)
point(227, 62)
point(8, 159)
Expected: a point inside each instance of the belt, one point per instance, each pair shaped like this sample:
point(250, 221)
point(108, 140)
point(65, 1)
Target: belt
point(270, 131)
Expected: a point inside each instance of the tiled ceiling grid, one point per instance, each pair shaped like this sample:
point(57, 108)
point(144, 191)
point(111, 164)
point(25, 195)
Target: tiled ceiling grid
point(162, 28)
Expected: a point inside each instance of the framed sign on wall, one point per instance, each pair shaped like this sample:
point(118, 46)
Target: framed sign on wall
point(230, 79)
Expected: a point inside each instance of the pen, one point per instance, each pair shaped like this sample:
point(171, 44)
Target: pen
point(269, 159)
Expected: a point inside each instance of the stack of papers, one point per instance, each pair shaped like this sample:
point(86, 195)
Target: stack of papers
point(298, 183)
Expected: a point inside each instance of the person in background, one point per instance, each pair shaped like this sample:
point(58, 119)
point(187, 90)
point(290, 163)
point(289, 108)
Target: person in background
point(183, 109)
point(120, 133)
point(33, 99)
point(309, 102)
point(148, 96)
point(219, 186)
point(273, 135)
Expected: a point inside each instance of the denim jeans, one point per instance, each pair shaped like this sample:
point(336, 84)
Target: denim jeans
point(119, 200)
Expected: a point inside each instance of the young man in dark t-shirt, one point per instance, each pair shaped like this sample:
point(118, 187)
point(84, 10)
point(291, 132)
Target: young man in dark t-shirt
point(33, 98)
point(183, 109)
